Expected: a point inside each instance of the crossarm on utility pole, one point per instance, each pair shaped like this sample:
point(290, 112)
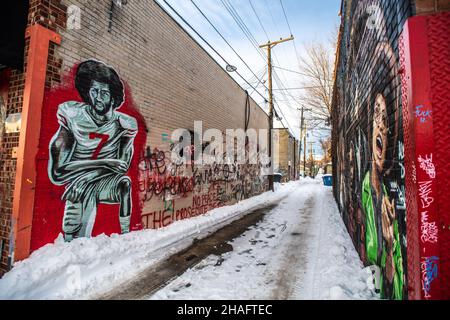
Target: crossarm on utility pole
point(274, 43)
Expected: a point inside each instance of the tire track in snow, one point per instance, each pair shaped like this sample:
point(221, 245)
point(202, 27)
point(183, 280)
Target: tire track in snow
point(295, 275)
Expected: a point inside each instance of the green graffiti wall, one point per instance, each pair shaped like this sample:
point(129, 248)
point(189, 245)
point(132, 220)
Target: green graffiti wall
point(368, 139)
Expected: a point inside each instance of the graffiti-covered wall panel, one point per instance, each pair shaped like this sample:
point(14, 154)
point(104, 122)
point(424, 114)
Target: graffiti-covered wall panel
point(368, 138)
point(129, 77)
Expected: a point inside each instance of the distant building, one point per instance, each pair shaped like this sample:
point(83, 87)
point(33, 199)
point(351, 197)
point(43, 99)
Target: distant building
point(286, 156)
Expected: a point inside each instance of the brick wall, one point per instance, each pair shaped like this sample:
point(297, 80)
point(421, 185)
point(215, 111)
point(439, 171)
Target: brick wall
point(286, 146)
point(423, 7)
point(368, 157)
point(50, 14)
point(170, 83)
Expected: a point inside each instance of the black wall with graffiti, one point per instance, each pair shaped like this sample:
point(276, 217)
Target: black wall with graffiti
point(368, 138)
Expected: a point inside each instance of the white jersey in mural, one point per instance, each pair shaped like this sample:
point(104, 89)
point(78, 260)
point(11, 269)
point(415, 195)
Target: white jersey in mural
point(91, 152)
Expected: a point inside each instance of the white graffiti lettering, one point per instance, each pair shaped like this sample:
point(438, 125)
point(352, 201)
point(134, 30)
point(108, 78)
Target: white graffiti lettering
point(429, 230)
point(414, 173)
point(427, 165)
point(424, 193)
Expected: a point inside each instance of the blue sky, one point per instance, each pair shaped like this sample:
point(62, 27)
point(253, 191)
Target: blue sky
point(311, 21)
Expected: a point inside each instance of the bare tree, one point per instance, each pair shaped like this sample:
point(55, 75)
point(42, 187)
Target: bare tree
point(317, 67)
point(325, 143)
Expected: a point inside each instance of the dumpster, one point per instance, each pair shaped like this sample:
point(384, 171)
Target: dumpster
point(277, 177)
point(328, 180)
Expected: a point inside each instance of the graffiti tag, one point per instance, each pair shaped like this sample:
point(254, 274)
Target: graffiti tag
point(429, 268)
point(424, 193)
point(429, 230)
point(423, 115)
point(427, 165)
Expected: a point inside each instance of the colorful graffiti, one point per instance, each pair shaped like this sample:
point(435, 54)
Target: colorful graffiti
point(96, 173)
point(171, 192)
point(429, 268)
point(368, 136)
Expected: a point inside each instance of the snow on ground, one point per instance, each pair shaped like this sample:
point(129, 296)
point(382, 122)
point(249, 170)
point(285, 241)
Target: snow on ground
point(300, 250)
point(85, 267)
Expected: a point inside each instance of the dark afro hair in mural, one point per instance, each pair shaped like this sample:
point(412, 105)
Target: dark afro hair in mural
point(92, 70)
point(387, 83)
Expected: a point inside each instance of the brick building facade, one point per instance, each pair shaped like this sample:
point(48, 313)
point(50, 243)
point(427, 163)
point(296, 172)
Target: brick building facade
point(287, 159)
point(168, 81)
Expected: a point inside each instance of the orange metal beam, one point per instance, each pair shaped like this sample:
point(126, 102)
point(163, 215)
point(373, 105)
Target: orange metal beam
point(23, 203)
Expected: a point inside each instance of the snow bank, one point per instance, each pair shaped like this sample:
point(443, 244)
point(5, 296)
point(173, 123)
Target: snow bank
point(341, 274)
point(85, 267)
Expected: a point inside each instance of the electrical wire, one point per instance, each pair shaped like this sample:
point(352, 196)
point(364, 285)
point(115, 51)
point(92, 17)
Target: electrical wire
point(285, 16)
point(241, 24)
point(259, 20)
point(212, 48)
point(226, 41)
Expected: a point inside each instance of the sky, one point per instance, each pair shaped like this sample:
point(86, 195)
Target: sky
point(310, 22)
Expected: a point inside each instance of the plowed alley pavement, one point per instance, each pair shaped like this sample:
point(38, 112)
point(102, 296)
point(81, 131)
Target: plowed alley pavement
point(290, 244)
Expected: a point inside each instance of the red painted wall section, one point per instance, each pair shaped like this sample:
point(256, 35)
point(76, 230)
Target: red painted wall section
point(438, 32)
point(425, 56)
point(49, 206)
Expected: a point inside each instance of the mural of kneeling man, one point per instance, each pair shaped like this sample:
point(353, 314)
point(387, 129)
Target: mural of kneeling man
point(91, 152)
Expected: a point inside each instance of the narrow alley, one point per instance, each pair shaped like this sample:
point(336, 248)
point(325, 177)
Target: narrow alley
point(276, 150)
point(299, 251)
point(293, 246)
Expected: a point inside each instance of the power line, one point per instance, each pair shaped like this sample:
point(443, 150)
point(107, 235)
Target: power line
point(276, 57)
point(235, 15)
point(260, 80)
point(212, 48)
point(220, 34)
point(273, 19)
point(289, 26)
point(300, 73)
point(241, 24)
point(259, 20)
point(285, 16)
point(293, 71)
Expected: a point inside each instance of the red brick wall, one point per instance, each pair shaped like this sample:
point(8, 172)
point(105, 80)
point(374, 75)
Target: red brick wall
point(50, 14)
point(172, 81)
point(431, 6)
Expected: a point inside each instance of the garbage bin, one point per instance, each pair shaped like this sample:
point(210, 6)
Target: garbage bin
point(328, 180)
point(277, 177)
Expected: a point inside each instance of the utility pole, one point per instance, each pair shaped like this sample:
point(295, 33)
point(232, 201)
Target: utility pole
point(269, 45)
point(302, 124)
point(304, 153)
point(311, 152)
point(302, 120)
